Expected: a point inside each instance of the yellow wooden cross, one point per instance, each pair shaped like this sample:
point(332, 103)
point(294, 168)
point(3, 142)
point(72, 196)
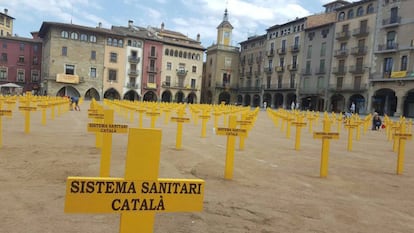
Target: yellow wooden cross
point(140, 194)
point(180, 119)
point(350, 125)
point(231, 132)
point(44, 107)
point(107, 128)
point(3, 112)
point(153, 114)
point(27, 109)
point(401, 137)
point(299, 123)
point(205, 116)
point(326, 135)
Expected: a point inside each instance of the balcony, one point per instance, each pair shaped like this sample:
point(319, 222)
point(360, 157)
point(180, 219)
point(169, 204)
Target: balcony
point(280, 87)
point(340, 53)
point(250, 89)
point(281, 51)
point(359, 51)
point(307, 71)
point(151, 69)
point(353, 88)
point(133, 72)
point(151, 86)
point(268, 70)
point(391, 22)
point(132, 85)
point(133, 59)
point(292, 67)
point(279, 69)
point(339, 70)
point(223, 85)
point(182, 72)
point(166, 84)
point(342, 35)
point(152, 55)
point(271, 53)
point(387, 48)
point(321, 70)
point(294, 48)
point(359, 69)
point(361, 32)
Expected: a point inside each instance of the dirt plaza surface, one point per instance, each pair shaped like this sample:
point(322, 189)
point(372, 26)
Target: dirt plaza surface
point(274, 188)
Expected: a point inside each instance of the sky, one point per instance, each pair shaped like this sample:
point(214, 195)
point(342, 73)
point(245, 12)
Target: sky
point(190, 17)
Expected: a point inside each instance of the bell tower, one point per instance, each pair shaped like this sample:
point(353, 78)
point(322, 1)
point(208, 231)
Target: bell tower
point(224, 30)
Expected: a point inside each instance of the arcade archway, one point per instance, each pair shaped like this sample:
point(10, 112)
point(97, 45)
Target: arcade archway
point(68, 91)
point(179, 97)
point(112, 94)
point(166, 97)
point(131, 95)
point(247, 100)
point(224, 97)
point(92, 94)
point(256, 101)
point(192, 98)
point(150, 96)
point(384, 101)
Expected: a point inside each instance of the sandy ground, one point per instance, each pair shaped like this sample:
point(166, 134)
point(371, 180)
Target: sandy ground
point(274, 189)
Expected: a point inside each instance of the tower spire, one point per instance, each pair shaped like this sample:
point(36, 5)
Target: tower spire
point(226, 16)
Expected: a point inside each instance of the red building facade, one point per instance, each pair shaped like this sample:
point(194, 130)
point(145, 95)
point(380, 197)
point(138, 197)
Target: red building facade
point(20, 62)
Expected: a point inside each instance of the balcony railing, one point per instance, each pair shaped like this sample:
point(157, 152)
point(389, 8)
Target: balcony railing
point(355, 87)
point(271, 53)
point(359, 51)
point(307, 71)
point(342, 35)
point(152, 55)
point(250, 89)
point(152, 69)
point(391, 22)
point(268, 70)
point(150, 86)
point(279, 69)
point(341, 53)
point(133, 59)
point(321, 70)
point(339, 70)
point(133, 72)
point(292, 67)
point(132, 85)
point(281, 51)
point(182, 72)
point(294, 48)
point(280, 86)
point(361, 32)
point(357, 69)
point(387, 48)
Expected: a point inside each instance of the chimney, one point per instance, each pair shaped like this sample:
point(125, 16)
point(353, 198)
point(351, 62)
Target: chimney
point(198, 37)
point(162, 26)
point(99, 25)
point(6, 11)
point(130, 23)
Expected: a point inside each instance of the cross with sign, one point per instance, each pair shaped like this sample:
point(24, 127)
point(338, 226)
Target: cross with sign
point(299, 123)
point(180, 119)
point(27, 109)
point(231, 132)
point(326, 135)
point(140, 194)
point(401, 137)
point(107, 128)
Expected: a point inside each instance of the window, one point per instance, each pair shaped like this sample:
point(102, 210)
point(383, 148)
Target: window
point(370, 9)
point(308, 67)
point(323, 49)
point(292, 80)
point(322, 66)
point(109, 41)
point(341, 16)
point(20, 76)
point(4, 45)
point(394, 15)
point(153, 51)
point(388, 63)
point(167, 81)
point(21, 59)
point(35, 76)
point(35, 48)
point(390, 40)
point(21, 47)
point(360, 11)
point(180, 54)
point(113, 57)
point(166, 52)
point(321, 82)
point(339, 82)
point(4, 57)
point(74, 35)
point(120, 43)
point(92, 72)
point(404, 62)
point(64, 51)
point(93, 55)
point(193, 83)
point(115, 42)
point(70, 69)
point(35, 60)
point(84, 37)
point(151, 78)
point(3, 73)
point(194, 69)
point(112, 75)
point(169, 66)
point(64, 34)
point(185, 55)
point(309, 52)
point(175, 53)
point(350, 14)
point(92, 39)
